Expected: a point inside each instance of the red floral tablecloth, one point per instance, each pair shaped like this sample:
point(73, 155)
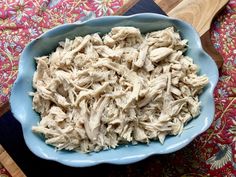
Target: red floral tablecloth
point(211, 154)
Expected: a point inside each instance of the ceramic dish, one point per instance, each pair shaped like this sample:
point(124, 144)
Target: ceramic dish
point(21, 102)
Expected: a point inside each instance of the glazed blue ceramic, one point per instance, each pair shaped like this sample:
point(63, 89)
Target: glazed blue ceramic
point(21, 102)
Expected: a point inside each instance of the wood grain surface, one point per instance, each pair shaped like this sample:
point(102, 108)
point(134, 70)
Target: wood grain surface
point(167, 5)
point(126, 7)
point(9, 164)
point(199, 13)
point(4, 108)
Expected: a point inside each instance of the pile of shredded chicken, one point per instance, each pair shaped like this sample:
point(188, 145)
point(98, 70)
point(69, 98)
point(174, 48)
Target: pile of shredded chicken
point(95, 92)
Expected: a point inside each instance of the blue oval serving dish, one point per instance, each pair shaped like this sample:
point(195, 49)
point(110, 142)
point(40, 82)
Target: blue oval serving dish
point(21, 102)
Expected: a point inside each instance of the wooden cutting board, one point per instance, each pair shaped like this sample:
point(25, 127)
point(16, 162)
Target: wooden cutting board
point(9, 164)
point(199, 13)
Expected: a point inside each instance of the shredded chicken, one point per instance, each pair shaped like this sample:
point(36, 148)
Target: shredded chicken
point(94, 93)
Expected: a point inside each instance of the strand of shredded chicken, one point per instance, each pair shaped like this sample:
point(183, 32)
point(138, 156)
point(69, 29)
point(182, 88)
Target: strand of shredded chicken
point(94, 93)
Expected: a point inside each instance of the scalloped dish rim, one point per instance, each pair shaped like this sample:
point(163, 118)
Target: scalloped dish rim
point(122, 154)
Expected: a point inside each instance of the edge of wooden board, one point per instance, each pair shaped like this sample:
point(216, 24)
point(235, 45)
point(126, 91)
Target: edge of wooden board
point(9, 164)
point(4, 108)
point(174, 6)
point(126, 7)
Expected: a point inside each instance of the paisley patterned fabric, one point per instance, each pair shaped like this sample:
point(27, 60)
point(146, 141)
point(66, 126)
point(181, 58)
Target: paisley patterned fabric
point(23, 20)
point(211, 154)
